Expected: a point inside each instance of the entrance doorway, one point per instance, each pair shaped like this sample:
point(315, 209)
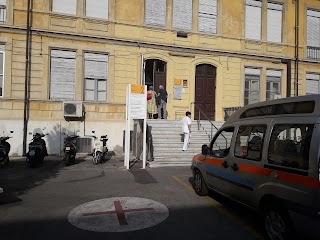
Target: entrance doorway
point(155, 73)
point(205, 91)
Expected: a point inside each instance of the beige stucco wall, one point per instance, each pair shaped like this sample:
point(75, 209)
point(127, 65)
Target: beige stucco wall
point(125, 38)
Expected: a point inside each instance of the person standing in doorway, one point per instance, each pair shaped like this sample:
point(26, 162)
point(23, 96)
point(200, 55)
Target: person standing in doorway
point(163, 96)
point(151, 103)
point(186, 130)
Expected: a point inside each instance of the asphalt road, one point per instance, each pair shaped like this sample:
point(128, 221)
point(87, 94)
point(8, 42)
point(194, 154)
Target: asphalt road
point(36, 204)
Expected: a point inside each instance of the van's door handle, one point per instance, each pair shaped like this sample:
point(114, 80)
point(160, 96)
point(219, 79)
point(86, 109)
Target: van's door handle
point(235, 167)
point(225, 164)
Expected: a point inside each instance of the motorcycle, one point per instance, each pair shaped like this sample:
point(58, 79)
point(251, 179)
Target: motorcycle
point(37, 150)
point(70, 149)
point(100, 150)
point(4, 150)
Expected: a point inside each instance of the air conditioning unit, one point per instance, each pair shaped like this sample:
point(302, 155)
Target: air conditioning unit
point(73, 109)
point(277, 96)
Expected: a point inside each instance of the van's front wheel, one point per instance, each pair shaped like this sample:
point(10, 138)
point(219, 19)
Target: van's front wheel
point(277, 223)
point(199, 185)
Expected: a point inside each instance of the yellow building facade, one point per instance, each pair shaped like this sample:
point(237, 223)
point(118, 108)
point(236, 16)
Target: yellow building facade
point(209, 55)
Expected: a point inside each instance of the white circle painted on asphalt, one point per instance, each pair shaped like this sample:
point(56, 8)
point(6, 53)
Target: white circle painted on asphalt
point(121, 214)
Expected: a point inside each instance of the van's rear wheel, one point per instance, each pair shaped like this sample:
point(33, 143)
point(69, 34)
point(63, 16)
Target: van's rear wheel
point(200, 186)
point(277, 223)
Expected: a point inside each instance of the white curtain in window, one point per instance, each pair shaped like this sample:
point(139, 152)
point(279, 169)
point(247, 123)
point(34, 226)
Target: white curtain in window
point(313, 28)
point(64, 6)
point(155, 12)
point(252, 85)
point(253, 19)
point(63, 75)
point(182, 14)
point(96, 75)
point(274, 22)
point(208, 16)
point(97, 8)
point(273, 84)
point(313, 86)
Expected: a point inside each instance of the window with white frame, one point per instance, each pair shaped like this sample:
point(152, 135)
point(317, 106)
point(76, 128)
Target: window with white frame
point(65, 6)
point(1, 70)
point(97, 8)
point(252, 85)
point(313, 34)
point(62, 75)
point(207, 20)
point(95, 77)
point(182, 14)
point(3, 11)
point(312, 83)
point(274, 22)
point(273, 84)
point(253, 19)
point(155, 12)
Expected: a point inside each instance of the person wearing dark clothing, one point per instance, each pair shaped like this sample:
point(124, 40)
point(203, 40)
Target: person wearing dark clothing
point(163, 95)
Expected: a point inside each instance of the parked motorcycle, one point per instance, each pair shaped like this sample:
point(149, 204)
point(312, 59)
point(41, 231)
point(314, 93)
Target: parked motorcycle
point(70, 149)
point(100, 149)
point(37, 150)
point(4, 150)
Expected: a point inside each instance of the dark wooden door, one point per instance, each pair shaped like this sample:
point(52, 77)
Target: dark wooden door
point(159, 70)
point(205, 91)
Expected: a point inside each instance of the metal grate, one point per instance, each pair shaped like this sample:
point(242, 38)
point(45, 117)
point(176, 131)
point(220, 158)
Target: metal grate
point(3, 14)
point(84, 145)
point(313, 53)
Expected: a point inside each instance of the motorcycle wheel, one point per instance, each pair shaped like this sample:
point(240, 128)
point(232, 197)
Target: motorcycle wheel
point(67, 159)
point(96, 158)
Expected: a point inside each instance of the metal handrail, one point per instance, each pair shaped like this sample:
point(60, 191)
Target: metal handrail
point(198, 121)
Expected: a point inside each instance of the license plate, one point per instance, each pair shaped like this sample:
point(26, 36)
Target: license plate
point(67, 148)
point(32, 153)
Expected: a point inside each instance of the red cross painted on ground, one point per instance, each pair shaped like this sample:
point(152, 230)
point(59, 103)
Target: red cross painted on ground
point(119, 211)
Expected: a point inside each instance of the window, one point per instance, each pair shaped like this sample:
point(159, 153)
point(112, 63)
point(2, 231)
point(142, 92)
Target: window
point(1, 70)
point(182, 14)
point(65, 6)
point(3, 11)
point(253, 19)
point(313, 34)
point(252, 86)
point(97, 8)
point(278, 109)
point(290, 145)
point(249, 142)
point(220, 146)
point(155, 12)
point(312, 82)
point(273, 84)
point(274, 22)
point(207, 16)
point(63, 75)
point(96, 76)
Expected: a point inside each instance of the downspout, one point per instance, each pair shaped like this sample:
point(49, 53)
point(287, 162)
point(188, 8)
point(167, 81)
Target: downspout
point(288, 64)
point(296, 84)
point(26, 82)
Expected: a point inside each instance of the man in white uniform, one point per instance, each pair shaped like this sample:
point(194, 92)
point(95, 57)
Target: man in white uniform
point(186, 129)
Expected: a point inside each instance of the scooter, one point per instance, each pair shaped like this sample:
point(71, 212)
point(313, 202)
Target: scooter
point(4, 150)
point(70, 149)
point(37, 150)
point(100, 149)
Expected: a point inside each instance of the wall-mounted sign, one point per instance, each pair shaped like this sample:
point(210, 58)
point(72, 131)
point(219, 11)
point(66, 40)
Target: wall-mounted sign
point(177, 82)
point(185, 83)
point(177, 92)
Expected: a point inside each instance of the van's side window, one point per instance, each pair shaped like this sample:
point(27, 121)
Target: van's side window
point(249, 142)
point(290, 145)
point(220, 146)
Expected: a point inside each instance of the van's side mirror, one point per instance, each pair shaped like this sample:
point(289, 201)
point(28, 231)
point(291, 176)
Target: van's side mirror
point(205, 149)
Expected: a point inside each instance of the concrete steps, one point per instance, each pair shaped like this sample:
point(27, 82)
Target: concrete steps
point(167, 141)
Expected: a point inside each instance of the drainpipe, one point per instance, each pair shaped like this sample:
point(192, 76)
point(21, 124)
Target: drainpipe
point(26, 82)
point(288, 64)
point(296, 84)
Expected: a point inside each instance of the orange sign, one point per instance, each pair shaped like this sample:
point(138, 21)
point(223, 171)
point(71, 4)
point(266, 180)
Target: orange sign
point(137, 89)
point(177, 82)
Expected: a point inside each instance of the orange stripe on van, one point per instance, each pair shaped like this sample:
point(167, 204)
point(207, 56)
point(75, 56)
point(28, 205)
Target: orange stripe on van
point(213, 161)
point(255, 170)
point(302, 180)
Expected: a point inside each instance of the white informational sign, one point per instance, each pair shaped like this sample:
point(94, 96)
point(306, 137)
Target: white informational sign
point(177, 92)
point(136, 108)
